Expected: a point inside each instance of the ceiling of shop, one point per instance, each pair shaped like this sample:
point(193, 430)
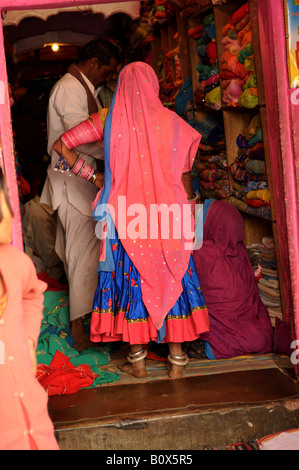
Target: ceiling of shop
point(28, 41)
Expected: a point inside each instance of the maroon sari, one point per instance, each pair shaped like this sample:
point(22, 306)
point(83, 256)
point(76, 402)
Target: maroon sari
point(239, 321)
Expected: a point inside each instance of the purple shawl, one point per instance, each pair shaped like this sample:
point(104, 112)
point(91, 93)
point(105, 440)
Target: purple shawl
point(239, 321)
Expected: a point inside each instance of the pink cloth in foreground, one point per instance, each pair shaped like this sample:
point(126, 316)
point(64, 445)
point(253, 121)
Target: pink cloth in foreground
point(24, 420)
point(150, 148)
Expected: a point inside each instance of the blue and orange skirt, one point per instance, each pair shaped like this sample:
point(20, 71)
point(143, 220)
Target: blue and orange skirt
point(119, 313)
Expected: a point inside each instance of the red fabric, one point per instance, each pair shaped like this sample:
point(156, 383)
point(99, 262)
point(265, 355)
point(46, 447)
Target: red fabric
point(62, 377)
point(256, 203)
point(179, 331)
point(239, 14)
point(53, 284)
point(212, 51)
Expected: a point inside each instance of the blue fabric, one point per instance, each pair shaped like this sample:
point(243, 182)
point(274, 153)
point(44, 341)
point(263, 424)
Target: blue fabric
point(183, 97)
point(161, 333)
point(206, 206)
point(121, 290)
point(209, 352)
point(100, 212)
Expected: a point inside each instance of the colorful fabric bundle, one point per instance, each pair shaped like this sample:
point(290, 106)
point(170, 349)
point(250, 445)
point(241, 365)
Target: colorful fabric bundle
point(250, 82)
point(255, 186)
point(268, 284)
point(239, 14)
point(256, 203)
point(213, 99)
point(247, 51)
point(208, 93)
point(195, 32)
point(210, 128)
point(253, 128)
point(256, 167)
point(231, 45)
point(262, 194)
point(237, 61)
point(241, 25)
point(212, 175)
point(232, 93)
point(249, 98)
point(250, 189)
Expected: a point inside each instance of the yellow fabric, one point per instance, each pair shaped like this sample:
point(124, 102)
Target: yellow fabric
point(3, 303)
point(262, 194)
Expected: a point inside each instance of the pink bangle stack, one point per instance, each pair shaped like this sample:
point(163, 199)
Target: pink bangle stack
point(86, 132)
point(84, 170)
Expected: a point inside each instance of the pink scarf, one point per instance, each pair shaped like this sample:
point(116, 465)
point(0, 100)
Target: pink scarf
point(150, 147)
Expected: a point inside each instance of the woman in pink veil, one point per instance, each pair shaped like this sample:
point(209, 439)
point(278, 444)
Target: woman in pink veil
point(148, 289)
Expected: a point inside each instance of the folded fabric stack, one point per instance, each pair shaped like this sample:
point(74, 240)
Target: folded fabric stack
point(157, 11)
point(238, 78)
point(269, 285)
point(250, 192)
point(211, 167)
point(264, 264)
point(208, 93)
point(254, 256)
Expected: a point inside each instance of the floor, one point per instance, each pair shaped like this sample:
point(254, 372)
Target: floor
point(188, 413)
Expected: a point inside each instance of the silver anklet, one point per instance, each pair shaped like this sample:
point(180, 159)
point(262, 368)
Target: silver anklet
point(178, 360)
point(137, 356)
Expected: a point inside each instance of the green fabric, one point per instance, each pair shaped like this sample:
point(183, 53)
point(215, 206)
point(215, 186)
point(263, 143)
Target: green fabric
point(55, 336)
point(245, 52)
point(251, 82)
point(248, 99)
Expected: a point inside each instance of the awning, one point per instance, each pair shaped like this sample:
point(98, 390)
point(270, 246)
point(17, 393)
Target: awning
point(131, 9)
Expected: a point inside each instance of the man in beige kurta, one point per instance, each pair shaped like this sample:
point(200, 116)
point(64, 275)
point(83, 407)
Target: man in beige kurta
point(76, 242)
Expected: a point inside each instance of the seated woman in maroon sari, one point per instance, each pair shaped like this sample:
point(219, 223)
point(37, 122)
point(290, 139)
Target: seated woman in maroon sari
point(239, 321)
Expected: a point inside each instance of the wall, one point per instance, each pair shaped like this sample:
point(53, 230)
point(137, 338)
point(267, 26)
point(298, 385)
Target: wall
point(283, 129)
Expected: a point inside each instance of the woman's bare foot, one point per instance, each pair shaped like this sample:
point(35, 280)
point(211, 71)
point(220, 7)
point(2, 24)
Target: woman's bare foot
point(175, 372)
point(132, 369)
point(136, 362)
point(80, 337)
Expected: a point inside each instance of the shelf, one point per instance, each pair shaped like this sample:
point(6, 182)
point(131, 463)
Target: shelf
point(242, 110)
point(235, 118)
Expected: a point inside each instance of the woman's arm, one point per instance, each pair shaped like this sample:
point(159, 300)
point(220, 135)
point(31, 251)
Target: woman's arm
point(77, 165)
point(187, 182)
